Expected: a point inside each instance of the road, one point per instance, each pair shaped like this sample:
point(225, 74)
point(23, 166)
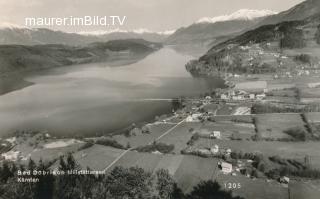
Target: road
point(126, 151)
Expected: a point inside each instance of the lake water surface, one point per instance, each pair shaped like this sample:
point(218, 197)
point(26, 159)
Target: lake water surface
point(96, 98)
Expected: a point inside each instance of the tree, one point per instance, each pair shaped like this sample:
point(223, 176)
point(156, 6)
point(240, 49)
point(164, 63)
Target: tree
point(165, 184)
point(45, 187)
point(209, 190)
point(129, 183)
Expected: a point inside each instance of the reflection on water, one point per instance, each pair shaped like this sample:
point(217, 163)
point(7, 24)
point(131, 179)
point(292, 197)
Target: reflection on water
point(96, 98)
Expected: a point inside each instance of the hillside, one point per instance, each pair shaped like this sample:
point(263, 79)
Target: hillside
point(301, 11)
point(39, 36)
point(18, 57)
point(267, 49)
point(208, 31)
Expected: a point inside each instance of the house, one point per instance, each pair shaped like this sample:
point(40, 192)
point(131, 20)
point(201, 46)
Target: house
point(228, 152)
point(12, 155)
point(226, 168)
point(261, 96)
point(215, 135)
point(224, 97)
point(238, 97)
point(189, 119)
point(215, 149)
point(208, 98)
point(193, 117)
point(252, 96)
point(284, 180)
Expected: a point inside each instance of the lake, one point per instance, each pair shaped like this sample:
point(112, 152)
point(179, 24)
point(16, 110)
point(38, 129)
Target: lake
point(94, 99)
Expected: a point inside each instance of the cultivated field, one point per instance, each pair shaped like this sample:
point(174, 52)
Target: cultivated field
point(156, 130)
point(304, 190)
point(187, 170)
point(97, 157)
point(313, 117)
point(229, 129)
point(180, 135)
point(290, 150)
point(254, 188)
point(274, 125)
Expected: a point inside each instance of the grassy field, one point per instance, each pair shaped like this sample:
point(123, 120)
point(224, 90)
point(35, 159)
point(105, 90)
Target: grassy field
point(180, 136)
point(230, 129)
point(253, 189)
point(97, 157)
point(193, 170)
point(35, 148)
point(284, 149)
point(227, 109)
point(313, 117)
point(252, 85)
point(305, 190)
point(274, 125)
point(156, 130)
point(186, 170)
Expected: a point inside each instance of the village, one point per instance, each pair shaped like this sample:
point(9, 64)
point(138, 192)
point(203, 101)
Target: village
point(257, 133)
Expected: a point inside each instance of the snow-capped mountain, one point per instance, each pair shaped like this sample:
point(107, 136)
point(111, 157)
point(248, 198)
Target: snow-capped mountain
point(243, 14)
point(136, 31)
point(208, 31)
point(125, 34)
point(15, 34)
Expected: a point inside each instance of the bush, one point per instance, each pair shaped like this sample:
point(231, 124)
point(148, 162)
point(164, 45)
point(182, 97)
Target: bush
point(161, 147)
point(111, 143)
point(304, 58)
point(86, 145)
point(297, 133)
point(193, 139)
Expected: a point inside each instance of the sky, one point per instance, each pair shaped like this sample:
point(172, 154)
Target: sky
point(155, 15)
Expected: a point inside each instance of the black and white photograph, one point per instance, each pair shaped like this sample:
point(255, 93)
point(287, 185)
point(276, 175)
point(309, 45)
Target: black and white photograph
point(160, 99)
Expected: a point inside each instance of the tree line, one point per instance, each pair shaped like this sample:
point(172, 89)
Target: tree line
point(119, 183)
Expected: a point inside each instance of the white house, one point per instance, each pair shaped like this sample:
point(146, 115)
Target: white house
point(261, 96)
point(208, 98)
point(224, 97)
point(228, 152)
point(215, 135)
point(193, 117)
point(215, 149)
point(284, 180)
point(226, 168)
point(12, 155)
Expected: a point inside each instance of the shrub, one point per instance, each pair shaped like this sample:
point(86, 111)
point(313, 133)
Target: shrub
point(111, 143)
point(297, 133)
point(161, 147)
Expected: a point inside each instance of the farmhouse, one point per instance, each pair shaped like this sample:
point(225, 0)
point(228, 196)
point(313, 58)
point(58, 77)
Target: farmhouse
point(284, 180)
point(12, 155)
point(261, 96)
point(193, 117)
point(215, 135)
point(224, 97)
point(226, 168)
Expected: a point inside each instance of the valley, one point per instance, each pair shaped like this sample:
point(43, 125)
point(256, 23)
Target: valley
point(231, 100)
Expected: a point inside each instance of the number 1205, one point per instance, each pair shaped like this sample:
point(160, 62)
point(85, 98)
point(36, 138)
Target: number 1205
point(232, 185)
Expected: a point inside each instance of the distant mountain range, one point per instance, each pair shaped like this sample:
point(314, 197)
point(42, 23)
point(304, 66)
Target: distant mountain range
point(12, 34)
point(256, 51)
point(301, 11)
point(15, 58)
point(208, 31)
